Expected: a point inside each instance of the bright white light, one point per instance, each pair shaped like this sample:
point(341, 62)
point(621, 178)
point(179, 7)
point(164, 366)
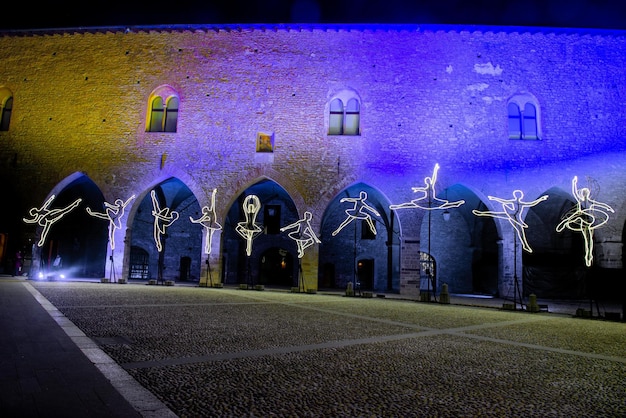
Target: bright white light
point(302, 233)
point(428, 196)
point(249, 228)
point(113, 212)
point(585, 217)
point(45, 217)
point(513, 211)
point(207, 220)
point(163, 218)
point(357, 212)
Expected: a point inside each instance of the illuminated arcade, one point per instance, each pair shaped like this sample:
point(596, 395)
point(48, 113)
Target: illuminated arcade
point(313, 135)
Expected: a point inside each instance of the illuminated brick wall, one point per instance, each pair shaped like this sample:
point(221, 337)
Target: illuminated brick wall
point(428, 95)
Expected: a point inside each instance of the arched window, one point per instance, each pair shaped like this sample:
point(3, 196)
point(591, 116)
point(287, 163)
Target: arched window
point(515, 121)
point(523, 118)
point(351, 125)
point(344, 117)
point(156, 115)
point(529, 127)
point(171, 114)
point(335, 118)
point(163, 110)
point(6, 107)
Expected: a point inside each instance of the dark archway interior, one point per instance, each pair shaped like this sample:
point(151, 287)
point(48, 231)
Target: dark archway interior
point(273, 260)
point(181, 256)
point(80, 240)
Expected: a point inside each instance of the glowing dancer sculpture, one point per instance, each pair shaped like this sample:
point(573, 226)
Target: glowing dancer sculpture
point(249, 228)
point(163, 218)
point(207, 220)
point(585, 217)
point(45, 217)
point(428, 197)
point(429, 201)
point(358, 212)
point(302, 233)
point(113, 212)
point(513, 211)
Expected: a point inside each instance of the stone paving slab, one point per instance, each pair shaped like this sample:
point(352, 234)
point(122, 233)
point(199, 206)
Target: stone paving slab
point(229, 352)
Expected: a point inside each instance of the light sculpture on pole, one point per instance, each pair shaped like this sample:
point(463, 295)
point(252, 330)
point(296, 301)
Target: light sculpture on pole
point(113, 212)
point(427, 200)
point(249, 229)
point(513, 211)
point(163, 219)
point(359, 210)
point(208, 221)
point(304, 236)
point(585, 217)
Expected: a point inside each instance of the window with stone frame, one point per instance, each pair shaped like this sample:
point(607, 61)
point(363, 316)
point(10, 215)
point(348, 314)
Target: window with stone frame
point(163, 111)
point(344, 118)
point(523, 118)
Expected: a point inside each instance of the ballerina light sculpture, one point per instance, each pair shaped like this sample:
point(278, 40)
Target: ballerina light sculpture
point(358, 211)
point(513, 211)
point(113, 212)
point(249, 229)
point(163, 218)
point(207, 220)
point(427, 200)
point(302, 233)
point(585, 217)
point(428, 196)
point(46, 217)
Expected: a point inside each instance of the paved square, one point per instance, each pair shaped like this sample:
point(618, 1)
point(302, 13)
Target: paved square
point(231, 352)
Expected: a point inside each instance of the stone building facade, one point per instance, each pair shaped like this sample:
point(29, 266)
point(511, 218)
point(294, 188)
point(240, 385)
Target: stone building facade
point(310, 119)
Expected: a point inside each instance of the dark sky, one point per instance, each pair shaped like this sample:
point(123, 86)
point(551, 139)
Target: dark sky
point(601, 14)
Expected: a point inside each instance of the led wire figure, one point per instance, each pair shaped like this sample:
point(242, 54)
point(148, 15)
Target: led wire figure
point(302, 233)
point(207, 220)
point(163, 218)
point(358, 212)
point(587, 215)
point(513, 211)
point(46, 217)
point(304, 236)
point(113, 212)
point(249, 228)
point(428, 195)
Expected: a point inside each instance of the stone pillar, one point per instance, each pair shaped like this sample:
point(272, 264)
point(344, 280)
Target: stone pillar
point(410, 267)
point(510, 260)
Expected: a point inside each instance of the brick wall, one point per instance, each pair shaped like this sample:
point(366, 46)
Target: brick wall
point(428, 95)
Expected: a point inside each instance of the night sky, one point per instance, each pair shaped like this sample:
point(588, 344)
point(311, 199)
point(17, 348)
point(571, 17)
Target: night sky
point(600, 14)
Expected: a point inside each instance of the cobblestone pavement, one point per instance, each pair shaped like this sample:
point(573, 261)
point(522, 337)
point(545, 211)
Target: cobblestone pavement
point(248, 353)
